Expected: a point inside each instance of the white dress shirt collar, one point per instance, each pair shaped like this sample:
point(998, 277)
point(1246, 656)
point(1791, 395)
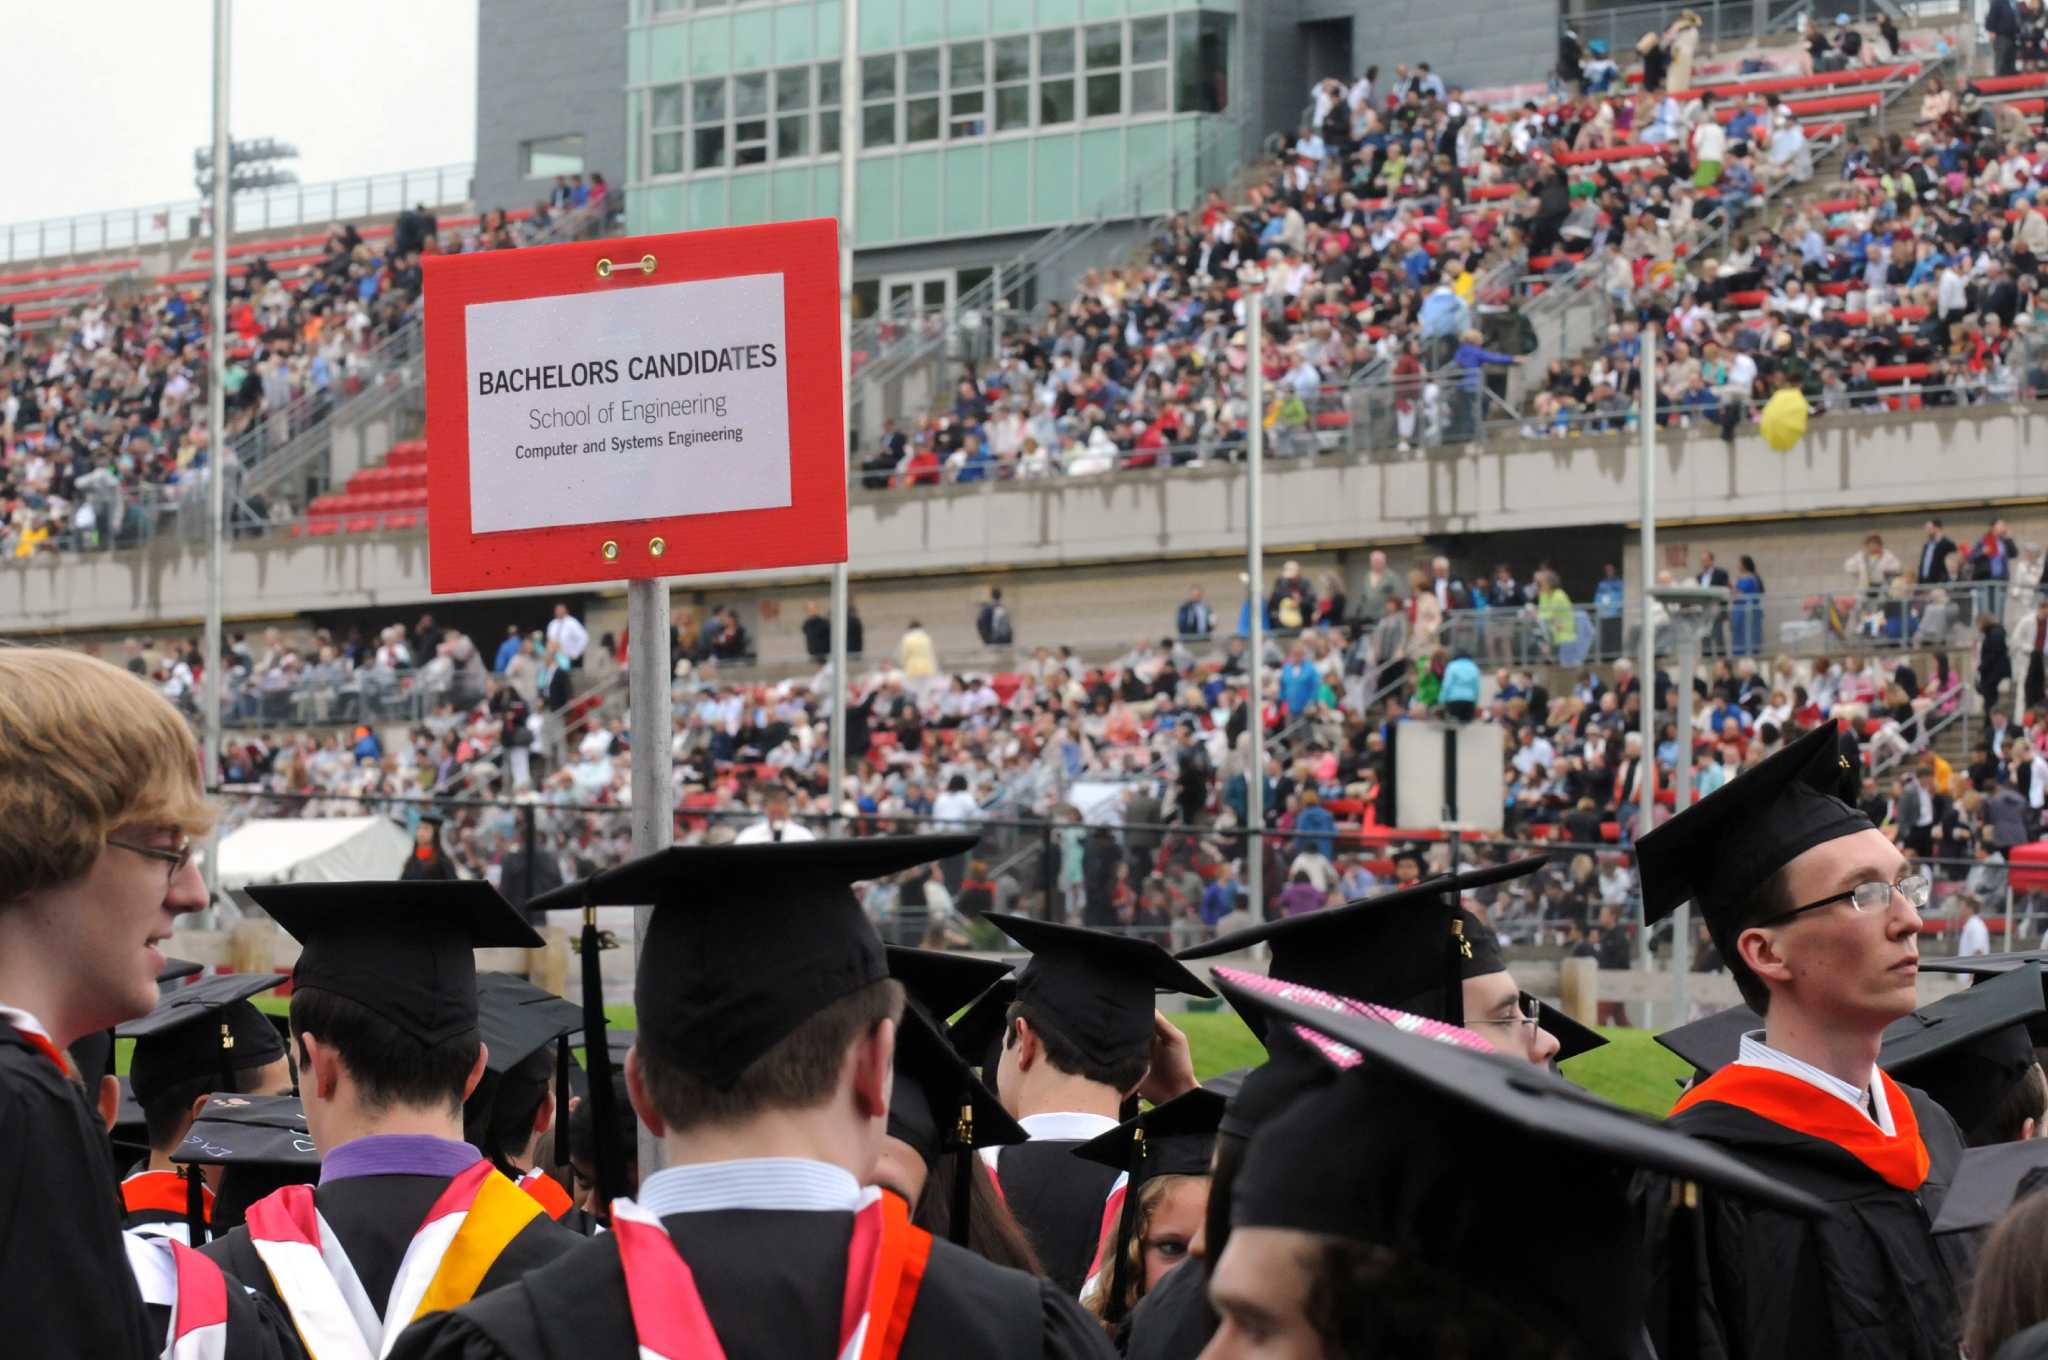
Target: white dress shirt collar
point(750, 1183)
point(1756, 1053)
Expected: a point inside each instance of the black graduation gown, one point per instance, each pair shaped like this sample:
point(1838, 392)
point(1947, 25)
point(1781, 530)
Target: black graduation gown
point(1867, 1282)
point(773, 1283)
point(375, 1218)
point(1058, 1198)
point(1173, 1322)
point(65, 1286)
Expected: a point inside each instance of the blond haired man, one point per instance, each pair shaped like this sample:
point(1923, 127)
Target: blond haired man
point(99, 801)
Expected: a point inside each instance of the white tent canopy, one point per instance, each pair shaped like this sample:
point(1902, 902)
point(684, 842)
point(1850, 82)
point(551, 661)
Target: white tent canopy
point(311, 850)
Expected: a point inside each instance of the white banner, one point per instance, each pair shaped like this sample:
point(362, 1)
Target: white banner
point(652, 401)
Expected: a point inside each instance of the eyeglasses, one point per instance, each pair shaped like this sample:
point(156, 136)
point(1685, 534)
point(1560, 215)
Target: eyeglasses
point(177, 856)
point(1867, 898)
point(1527, 1012)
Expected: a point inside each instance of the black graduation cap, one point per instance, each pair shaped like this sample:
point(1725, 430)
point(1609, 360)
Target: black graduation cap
point(1402, 1152)
point(518, 1019)
point(977, 1032)
point(405, 949)
point(1572, 1037)
point(938, 1105)
point(943, 982)
point(1098, 987)
point(1177, 1138)
point(1402, 949)
point(1988, 1181)
point(93, 1055)
point(1720, 850)
point(1712, 1042)
point(746, 941)
point(1967, 1049)
point(205, 1030)
point(237, 1130)
point(176, 970)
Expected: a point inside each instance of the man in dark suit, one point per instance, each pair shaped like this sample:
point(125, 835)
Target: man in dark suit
point(1934, 553)
point(1716, 576)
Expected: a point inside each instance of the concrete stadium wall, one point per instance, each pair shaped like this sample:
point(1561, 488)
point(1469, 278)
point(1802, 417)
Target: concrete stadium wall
point(1169, 521)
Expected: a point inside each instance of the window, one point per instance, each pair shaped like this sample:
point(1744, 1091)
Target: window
point(1201, 62)
point(707, 118)
point(792, 116)
point(1013, 83)
point(828, 108)
point(921, 83)
point(545, 157)
point(878, 101)
point(1103, 46)
point(1055, 77)
point(967, 92)
point(1151, 50)
point(665, 130)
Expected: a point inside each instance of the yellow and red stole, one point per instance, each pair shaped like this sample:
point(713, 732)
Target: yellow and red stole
point(1899, 1158)
point(885, 1261)
point(468, 1228)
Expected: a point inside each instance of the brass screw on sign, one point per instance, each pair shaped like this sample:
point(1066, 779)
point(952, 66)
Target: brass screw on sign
point(657, 546)
point(611, 550)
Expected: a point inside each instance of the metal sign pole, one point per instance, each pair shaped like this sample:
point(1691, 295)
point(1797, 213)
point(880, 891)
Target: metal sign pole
point(849, 22)
point(216, 431)
point(1681, 798)
point(650, 711)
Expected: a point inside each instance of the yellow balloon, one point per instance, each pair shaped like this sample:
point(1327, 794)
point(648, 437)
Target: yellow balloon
point(1784, 419)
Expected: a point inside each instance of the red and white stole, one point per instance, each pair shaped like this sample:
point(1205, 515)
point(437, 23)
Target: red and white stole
point(885, 1261)
point(170, 1274)
point(1105, 1233)
point(469, 1226)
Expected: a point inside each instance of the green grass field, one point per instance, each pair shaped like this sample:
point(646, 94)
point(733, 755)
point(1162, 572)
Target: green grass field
point(1633, 1071)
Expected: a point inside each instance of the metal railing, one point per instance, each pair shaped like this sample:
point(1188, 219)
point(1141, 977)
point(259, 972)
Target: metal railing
point(186, 219)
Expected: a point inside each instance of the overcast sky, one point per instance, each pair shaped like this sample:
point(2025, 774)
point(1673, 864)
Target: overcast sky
point(104, 104)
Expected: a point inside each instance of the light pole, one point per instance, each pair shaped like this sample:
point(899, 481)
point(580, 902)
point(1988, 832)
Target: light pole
point(1689, 608)
point(216, 428)
point(849, 27)
point(1253, 282)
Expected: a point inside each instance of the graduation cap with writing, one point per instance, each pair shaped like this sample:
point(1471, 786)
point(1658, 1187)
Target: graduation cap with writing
point(1968, 1049)
point(517, 1021)
point(1719, 851)
point(1712, 1042)
point(1403, 1152)
point(404, 949)
point(1410, 948)
point(1097, 987)
point(234, 1130)
point(747, 941)
point(1177, 1138)
point(1989, 1181)
point(207, 1030)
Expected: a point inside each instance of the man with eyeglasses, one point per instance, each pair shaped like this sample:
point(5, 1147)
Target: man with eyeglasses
point(99, 799)
point(1816, 915)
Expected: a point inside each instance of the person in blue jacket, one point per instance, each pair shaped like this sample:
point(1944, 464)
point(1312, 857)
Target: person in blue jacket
point(1459, 692)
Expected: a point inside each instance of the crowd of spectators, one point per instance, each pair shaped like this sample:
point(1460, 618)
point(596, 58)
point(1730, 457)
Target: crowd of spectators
point(103, 412)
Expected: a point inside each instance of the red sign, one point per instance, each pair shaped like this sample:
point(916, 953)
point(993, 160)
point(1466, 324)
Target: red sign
point(649, 406)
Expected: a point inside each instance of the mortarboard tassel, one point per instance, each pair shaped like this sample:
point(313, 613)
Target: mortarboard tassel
point(1113, 1310)
point(562, 1171)
point(965, 1172)
point(1454, 972)
point(604, 1155)
point(1683, 1228)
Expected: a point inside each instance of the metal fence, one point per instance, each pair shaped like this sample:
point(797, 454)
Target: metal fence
point(1153, 880)
point(187, 219)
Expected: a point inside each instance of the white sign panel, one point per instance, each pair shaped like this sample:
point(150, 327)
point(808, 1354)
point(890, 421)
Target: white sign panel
point(652, 401)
